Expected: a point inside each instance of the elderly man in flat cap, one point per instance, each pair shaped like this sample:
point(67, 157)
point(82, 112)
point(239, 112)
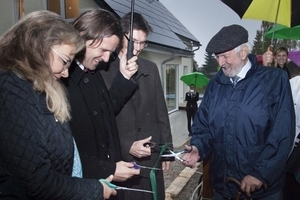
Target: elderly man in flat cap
point(246, 120)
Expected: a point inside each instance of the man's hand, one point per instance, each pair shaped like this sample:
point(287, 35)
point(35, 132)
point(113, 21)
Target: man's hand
point(138, 149)
point(165, 166)
point(268, 57)
point(190, 159)
point(128, 67)
point(250, 184)
point(107, 191)
point(124, 171)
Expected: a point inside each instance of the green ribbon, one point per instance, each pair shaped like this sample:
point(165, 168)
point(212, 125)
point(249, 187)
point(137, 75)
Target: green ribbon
point(153, 175)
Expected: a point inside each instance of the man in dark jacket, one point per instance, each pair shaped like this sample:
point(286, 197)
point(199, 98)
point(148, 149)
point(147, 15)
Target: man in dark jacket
point(145, 117)
point(246, 120)
point(191, 98)
point(93, 106)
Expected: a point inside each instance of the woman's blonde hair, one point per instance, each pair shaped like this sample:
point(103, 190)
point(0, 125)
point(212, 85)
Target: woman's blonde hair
point(25, 50)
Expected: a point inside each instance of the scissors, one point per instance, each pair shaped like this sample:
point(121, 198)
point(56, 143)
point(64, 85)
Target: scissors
point(115, 187)
point(153, 144)
point(176, 155)
point(137, 166)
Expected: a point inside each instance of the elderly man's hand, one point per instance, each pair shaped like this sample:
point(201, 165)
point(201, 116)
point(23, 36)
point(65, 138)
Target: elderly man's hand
point(250, 184)
point(190, 159)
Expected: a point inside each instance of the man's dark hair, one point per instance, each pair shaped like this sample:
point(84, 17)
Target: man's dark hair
point(95, 25)
point(140, 23)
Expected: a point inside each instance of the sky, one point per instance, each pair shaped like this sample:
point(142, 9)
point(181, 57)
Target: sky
point(204, 18)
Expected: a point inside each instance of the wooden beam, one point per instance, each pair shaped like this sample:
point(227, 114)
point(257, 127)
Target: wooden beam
point(21, 8)
point(207, 191)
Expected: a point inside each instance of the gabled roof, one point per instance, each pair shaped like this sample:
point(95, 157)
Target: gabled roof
point(167, 30)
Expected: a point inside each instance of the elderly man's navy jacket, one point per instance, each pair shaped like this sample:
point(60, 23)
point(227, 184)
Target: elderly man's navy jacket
point(248, 128)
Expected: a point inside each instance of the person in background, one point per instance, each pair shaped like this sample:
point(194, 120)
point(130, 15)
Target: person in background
point(280, 59)
point(246, 120)
point(36, 145)
point(93, 106)
point(145, 117)
point(291, 190)
point(191, 98)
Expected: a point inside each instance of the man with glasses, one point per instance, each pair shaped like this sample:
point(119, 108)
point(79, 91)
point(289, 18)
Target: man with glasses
point(93, 106)
point(145, 116)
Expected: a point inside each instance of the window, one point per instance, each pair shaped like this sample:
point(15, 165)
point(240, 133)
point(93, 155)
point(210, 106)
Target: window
point(171, 89)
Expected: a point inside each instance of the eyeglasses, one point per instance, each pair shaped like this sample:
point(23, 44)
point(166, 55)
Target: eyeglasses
point(65, 62)
point(142, 44)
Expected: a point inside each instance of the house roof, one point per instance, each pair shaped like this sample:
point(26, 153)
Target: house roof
point(168, 31)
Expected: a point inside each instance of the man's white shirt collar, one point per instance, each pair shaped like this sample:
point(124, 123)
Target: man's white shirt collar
point(79, 64)
point(244, 70)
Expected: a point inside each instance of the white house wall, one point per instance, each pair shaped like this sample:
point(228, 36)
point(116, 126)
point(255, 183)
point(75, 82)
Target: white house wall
point(7, 18)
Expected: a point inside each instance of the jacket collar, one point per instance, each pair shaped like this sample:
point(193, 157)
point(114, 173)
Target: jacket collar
point(75, 72)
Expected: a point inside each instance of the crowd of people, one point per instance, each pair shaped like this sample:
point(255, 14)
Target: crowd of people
point(76, 113)
point(59, 136)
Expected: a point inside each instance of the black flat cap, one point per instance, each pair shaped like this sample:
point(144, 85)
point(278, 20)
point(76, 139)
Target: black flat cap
point(227, 39)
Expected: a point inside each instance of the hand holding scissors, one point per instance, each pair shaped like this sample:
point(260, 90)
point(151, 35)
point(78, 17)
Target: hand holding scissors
point(139, 150)
point(107, 191)
point(191, 158)
point(155, 146)
point(115, 187)
point(124, 171)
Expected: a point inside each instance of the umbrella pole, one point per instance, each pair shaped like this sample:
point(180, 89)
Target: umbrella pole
point(276, 17)
point(273, 34)
point(130, 42)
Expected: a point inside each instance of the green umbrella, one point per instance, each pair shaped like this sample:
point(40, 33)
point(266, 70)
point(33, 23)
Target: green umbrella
point(196, 78)
point(283, 32)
